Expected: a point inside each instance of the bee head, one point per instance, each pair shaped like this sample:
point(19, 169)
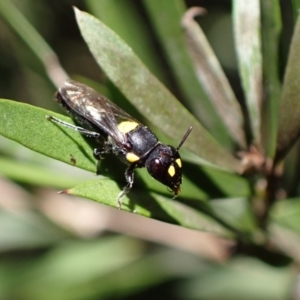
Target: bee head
point(164, 164)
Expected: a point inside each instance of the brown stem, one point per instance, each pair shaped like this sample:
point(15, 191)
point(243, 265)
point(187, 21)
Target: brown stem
point(273, 178)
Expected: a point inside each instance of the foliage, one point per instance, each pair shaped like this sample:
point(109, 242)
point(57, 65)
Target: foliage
point(241, 178)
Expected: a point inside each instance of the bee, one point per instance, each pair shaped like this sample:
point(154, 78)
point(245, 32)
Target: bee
point(117, 132)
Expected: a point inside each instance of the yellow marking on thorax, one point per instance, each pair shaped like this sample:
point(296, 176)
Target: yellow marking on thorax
point(131, 157)
point(171, 171)
point(127, 126)
point(178, 162)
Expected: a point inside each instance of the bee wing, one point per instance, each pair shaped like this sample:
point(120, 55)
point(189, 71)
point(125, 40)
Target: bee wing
point(94, 107)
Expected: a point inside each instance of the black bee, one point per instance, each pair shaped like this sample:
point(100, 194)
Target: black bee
point(119, 133)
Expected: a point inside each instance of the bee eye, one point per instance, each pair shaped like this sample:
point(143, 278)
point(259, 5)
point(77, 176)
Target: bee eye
point(156, 168)
point(164, 171)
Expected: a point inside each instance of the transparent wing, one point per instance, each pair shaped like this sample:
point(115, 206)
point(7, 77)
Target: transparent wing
point(94, 107)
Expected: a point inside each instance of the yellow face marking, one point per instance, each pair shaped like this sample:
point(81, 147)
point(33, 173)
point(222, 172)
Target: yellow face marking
point(131, 157)
point(171, 171)
point(127, 126)
point(178, 162)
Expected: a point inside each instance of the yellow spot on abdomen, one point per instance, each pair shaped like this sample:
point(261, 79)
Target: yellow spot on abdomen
point(178, 162)
point(131, 157)
point(171, 171)
point(127, 126)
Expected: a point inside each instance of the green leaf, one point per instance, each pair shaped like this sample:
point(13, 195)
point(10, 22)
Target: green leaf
point(149, 205)
point(35, 174)
point(212, 77)
point(242, 277)
point(287, 214)
point(43, 136)
point(246, 17)
point(26, 166)
point(27, 230)
point(289, 125)
point(29, 126)
point(236, 212)
point(295, 7)
point(284, 226)
point(74, 269)
point(271, 31)
point(165, 17)
point(231, 185)
point(34, 41)
point(147, 94)
point(137, 37)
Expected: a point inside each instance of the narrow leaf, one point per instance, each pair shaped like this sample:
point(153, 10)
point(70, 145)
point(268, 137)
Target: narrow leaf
point(284, 226)
point(148, 95)
point(41, 135)
point(212, 77)
point(271, 30)
point(165, 17)
point(37, 175)
point(287, 214)
point(137, 37)
point(34, 41)
point(236, 212)
point(241, 277)
point(295, 8)
point(149, 205)
point(246, 17)
point(289, 112)
point(28, 126)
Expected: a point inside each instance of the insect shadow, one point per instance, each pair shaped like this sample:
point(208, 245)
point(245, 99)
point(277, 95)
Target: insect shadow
point(85, 152)
point(140, 194)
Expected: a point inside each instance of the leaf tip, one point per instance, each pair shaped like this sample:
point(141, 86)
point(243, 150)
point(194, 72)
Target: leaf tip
point(64, 192)
point(77, 12)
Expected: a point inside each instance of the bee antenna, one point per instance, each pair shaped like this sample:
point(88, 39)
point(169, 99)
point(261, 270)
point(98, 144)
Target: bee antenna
point(184, 137)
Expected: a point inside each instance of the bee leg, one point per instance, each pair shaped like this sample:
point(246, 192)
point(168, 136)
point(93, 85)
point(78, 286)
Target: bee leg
point(99, 155)
point(98, 152)
point(79, 129)
point(129, 175)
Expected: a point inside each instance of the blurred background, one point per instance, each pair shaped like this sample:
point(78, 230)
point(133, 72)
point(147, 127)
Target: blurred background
point(54, 246)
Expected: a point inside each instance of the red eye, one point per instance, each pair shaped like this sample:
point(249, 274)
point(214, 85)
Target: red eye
point(156, 168)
